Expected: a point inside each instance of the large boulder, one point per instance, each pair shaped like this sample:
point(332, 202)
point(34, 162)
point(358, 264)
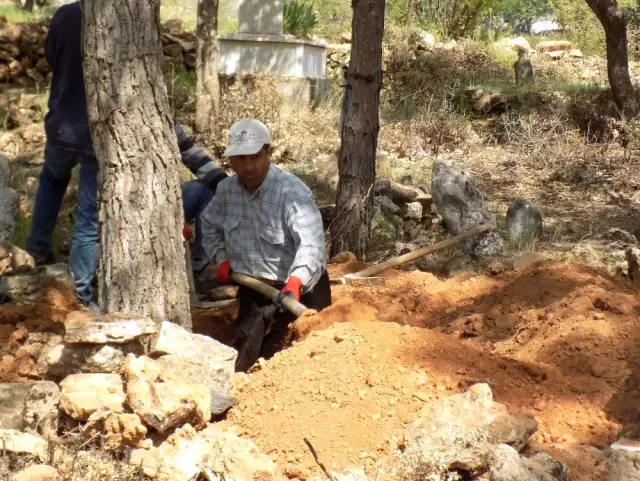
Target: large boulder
point(212, 452)
point(162, 400)
point(84, 394)
point(524, 222)
point(9, 213)
point(458, 432)
point(462, 207)
point(114, 328)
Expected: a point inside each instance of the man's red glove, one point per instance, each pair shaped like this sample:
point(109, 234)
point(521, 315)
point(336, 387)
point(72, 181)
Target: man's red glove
point(224, 273)
point(291, 288)
point(186, 232)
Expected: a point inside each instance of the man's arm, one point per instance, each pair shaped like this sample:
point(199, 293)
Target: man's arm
point(305, 226)
point(212, 230)
point(197, 161)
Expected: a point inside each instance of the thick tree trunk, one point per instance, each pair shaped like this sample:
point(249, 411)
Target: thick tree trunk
point(357, 165)
point(614, 23)
point(207, 83)
point(142, 267)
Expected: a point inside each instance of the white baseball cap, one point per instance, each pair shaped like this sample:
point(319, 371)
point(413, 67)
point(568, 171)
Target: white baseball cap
point(247, 137)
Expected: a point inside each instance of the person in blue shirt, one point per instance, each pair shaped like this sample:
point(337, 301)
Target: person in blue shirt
point(68, 143)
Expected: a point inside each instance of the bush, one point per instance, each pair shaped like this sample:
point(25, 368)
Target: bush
point(299, 18)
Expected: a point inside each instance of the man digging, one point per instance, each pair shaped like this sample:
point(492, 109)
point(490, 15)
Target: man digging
point(264, 222)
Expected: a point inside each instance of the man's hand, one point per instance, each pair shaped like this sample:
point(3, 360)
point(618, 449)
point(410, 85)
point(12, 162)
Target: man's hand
point(224, 273)
point(292, 289)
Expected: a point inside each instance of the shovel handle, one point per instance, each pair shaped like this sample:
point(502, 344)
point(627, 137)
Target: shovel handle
point(289, 303)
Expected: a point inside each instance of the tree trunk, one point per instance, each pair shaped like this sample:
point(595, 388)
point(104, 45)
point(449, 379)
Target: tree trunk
point(207, 83)
point(614, 23)
point(357, 165)
point(142, 267)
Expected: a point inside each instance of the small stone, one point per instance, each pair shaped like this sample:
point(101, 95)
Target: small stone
point(37, 472)
point(221, 402)
point(84, 394)
point(524, 222)
point(116, 429)
point(22, 443)
point(110, 328)
point(414, 211)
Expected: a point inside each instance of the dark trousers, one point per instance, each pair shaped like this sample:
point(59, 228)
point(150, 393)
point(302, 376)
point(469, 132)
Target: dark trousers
point(261, 329)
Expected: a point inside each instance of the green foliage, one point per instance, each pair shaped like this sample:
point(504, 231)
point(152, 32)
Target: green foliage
point(454, 18)
point(15, 14)
point(299, 18)
point(522, 13)
point(581, 25)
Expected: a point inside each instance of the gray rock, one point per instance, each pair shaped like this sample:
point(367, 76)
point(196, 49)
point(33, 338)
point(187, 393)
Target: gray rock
point(12, 399)
point(620, 235)
point(111, 328)
point(624, 464)
point(216, 375)
point(59, 360)
point(524, 222)
point(545, 468)
point(462, 207)
point(9, 213)
point(27, 287)
point(5, 171)
point(458, 432)
point(221, 402)
point(13, 258)
point(41, 413)
point(507, 465)
point(414, 211)
point(387, 206)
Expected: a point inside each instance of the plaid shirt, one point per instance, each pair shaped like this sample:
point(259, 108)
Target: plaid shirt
point(272, 234)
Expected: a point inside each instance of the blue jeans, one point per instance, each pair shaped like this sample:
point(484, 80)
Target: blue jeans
point(196, 195)
point(85, 254)
point(54, 178)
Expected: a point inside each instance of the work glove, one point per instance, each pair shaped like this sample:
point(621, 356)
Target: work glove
point(223, 275)
point(291, 289)
point(186, 231)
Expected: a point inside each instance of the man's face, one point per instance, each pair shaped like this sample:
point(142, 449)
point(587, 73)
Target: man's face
point(252, 169)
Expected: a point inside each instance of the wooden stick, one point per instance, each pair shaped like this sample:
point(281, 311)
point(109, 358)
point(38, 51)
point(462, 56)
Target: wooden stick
point(289, 303)
point(417, 254)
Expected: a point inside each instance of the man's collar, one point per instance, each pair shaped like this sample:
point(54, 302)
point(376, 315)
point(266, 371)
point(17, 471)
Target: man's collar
point(268, 179)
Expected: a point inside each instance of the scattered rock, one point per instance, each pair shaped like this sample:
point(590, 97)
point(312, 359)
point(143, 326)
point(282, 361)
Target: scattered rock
point(116, 429)
point(37, 472)
point(345, 37)
point(162, 400)
point(506, 465)
point(545, 468)
point(221, 402)
point(12, 399)
point(427, 40)
point(116, 328)
point(524, 222)
point(22, 443)
point(414, 211)
point(616, 234)
point(13, 258)
point(187, 453)
point(41, 413)
point(28, 287)
point(458, 432)
point(173, 339)
point(462, 207)
point(527, 260)
point(9, 213)
point(84, 394)
point(60, 360)
point(387, 206)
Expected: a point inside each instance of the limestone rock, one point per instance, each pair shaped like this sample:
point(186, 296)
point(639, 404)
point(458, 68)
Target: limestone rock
point(37, 472)
point(116, 429)
point(60, 360)
point(508, 465)
point(84, 394)
point(427, 39)
point(5, 171)
point(110, 328)
point(27, 287)
point(462, 207)
point(13, 258)
point(545, 468)
point(12, 399)
point(623, 236)
point(186, 453)
point(173, 339)
point(41, 413)
point(524, 222)
point(162, 400)
point(22, 443)
point(9, 213)
point(459, 431)
point(215, 375)
point(414, 211)
point(221, 402)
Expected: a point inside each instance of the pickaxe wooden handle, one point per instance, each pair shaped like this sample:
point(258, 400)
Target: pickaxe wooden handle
point(289, 303)
point(360, 277)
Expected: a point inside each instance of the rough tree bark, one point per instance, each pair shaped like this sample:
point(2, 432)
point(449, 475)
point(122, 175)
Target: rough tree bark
point(142, 266)
point(614, 23)
point(207, 83)
point(357, 165)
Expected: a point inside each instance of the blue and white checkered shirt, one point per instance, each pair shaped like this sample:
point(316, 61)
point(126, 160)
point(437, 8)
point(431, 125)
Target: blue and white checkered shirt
point(272, 234)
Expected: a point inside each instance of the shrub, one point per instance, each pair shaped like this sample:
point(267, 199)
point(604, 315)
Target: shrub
point(299, 18)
